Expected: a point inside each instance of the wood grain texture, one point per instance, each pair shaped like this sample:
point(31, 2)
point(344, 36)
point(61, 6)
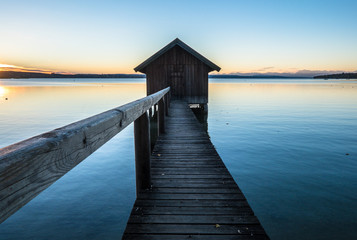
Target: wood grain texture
point(194, 237)
point(142, 152)
point(193, 195)
point(161, 117)
point(30, 166)
point(186, 74)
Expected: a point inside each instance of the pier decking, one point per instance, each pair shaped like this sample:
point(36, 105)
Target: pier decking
point(193, 195)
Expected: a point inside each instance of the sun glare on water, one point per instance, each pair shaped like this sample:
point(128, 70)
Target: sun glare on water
point(2, 91)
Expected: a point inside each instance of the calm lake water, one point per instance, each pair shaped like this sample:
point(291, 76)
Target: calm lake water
point(290, 144)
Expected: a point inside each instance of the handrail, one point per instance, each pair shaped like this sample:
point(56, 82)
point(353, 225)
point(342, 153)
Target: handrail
point(30, 166)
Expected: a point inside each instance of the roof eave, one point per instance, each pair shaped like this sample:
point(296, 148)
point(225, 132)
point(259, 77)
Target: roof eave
point(141, 67)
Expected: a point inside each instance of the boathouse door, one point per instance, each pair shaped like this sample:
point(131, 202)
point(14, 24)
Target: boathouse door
point(178, 83)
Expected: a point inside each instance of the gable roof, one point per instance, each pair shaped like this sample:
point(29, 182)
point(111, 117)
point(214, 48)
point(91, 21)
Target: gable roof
point(177, 42)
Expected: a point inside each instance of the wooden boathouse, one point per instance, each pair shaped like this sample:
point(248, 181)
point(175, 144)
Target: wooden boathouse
point(183, 188)
point(180, 67)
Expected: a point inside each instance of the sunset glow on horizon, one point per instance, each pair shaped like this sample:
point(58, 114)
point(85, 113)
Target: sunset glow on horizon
point(6, 66)
point(240, 37)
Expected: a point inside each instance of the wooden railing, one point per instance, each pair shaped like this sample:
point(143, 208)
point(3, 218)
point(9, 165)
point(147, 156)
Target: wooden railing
point(29, 167)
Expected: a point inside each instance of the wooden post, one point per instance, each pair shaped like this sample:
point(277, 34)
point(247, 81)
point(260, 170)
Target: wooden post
point(161, 116)
point(150, 112)
point(142, 153)
point(204, 108)
point(166, 99)
point(169, 98)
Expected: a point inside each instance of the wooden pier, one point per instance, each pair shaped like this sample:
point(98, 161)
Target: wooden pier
point(193, 195)
point(184, 190)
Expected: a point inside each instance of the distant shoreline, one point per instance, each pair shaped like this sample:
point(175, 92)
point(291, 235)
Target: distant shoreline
point(256, 76)
point(338, 76)
point(30, 75)
point(18, 75)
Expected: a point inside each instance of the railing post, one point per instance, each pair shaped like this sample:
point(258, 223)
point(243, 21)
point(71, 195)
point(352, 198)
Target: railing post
point(161, 116)
point(142, 152)
point(170, 95)
point(166, 100)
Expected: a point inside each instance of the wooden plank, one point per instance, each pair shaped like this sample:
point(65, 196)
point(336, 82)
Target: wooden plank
point(182, 165)
point(226, 211)
point(195, 176)
point(197, 149)
point(190, 196)
point(30, 166)
point(193, 196)
point(192, 237)
point(194, 219)
point(165, 140)
point(178, 156)
point(189, 171)
point(184, 157)
point(194, 229)
point(195, 180)
point(189, 202)
point(167, 164)
point(191, 190)
point(198, 153)
point(193, 185)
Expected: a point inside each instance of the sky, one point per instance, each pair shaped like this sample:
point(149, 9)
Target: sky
point(239, 36)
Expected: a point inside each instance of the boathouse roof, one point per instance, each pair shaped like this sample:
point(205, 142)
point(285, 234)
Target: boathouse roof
point(176, 42)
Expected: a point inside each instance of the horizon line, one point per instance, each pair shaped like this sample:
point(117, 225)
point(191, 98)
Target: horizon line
point(302, 72)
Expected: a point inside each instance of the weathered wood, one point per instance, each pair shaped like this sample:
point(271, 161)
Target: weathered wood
point(142, 152)
point(190, 190)
point(193, 196)
point(193, 176)
point(161, 117)
point(182, 196)
point(195, 229)
point(188, 203)
point(189, 171)
point(194, 237)
point(30, 166)
point(180, 67)
point(166, 101)
point(192, 184)
point(226, 211)
point(193, 219)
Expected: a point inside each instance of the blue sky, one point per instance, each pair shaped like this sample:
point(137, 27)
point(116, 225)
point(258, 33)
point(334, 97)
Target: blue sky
point(239, 36)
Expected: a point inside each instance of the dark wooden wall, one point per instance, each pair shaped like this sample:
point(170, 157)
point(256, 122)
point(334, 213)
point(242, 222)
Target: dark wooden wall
point(185, 74)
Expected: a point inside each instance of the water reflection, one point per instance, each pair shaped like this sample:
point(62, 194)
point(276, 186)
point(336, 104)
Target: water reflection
point(285, 143)
point(201, 115)
point(33, 110)
point(93, 200)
